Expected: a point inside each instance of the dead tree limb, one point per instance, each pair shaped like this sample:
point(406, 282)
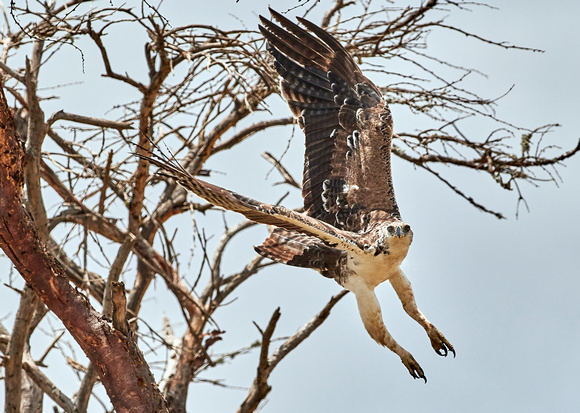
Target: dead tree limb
point(119, 362)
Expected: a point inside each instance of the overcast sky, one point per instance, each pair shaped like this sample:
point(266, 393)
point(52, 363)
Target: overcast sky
point(505, 293)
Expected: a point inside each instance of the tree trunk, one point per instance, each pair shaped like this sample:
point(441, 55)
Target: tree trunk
point(121, 366)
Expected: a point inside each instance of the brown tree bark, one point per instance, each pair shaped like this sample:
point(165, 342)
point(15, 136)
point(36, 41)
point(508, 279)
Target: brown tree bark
point(121, 366)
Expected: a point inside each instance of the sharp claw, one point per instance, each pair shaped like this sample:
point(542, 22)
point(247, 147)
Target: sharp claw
point(440, 344)
point(413, 367)
point(421, 376)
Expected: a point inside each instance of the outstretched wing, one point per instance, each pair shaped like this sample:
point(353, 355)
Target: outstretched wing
point(299, 250)
point(254, 210)
point(348, 126)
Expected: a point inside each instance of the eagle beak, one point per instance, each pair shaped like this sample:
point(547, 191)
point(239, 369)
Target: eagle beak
point(398, 233)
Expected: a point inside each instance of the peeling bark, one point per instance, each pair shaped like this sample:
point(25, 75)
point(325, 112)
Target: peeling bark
point(121, 366)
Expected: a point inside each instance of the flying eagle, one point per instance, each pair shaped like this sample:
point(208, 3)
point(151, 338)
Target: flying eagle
point(351, 230)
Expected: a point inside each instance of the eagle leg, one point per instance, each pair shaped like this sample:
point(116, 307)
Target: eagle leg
point(402, 287)
point(371, 316)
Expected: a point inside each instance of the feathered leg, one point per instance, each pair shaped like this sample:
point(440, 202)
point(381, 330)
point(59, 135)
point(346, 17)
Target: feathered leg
point(370, 313)
point(402, 287)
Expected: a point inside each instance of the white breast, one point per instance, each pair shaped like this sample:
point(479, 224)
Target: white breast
point(375, 270)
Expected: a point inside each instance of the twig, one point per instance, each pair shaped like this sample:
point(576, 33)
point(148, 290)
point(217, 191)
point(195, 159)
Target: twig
point(87, 120)
point(283, 171)
point(86, 389)
point(46, 385)
point(40, 361)
point(260, 387)
point(249, 131)
point(302, 334)
point(106, 179)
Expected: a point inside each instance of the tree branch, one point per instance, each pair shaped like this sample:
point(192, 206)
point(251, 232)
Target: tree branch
point(15, 349)
point(302, 334)
point(288, 179)
point(121, 365)
point(87, 120)
point(260, 387)
point(249, 131)
point(47, 386)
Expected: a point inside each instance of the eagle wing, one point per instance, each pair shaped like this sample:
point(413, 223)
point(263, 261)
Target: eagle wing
point(346, 122)
point(253, 210)
point(299, 250)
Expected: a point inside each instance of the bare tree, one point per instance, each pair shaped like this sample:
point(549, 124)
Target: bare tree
point(201, 91)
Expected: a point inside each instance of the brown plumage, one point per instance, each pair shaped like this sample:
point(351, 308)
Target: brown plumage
point(299, 250)
point(347, 169)
point(351, 230)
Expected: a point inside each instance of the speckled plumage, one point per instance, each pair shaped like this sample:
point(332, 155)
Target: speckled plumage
point(346, 122)
point(352, 229)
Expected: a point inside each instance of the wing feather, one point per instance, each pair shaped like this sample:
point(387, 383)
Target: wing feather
point(253, 210)
point(293, 248)
point(347, 125)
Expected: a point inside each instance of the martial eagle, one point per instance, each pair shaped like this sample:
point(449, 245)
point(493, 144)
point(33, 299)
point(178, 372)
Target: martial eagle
point(351, 230)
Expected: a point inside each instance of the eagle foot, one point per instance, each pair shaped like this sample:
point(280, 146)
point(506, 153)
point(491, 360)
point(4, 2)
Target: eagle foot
point(413, 367)
point(440, 343)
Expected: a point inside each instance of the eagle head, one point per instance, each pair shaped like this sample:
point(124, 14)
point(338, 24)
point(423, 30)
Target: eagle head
point(394, 237)
point(398, 229)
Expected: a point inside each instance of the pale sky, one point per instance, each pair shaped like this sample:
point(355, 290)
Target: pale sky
point(505, 293)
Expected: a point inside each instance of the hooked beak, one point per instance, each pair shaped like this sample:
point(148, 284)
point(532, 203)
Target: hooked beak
point(398, 232)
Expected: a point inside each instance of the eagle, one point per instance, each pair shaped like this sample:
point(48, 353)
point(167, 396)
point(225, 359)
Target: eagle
point(351, 229)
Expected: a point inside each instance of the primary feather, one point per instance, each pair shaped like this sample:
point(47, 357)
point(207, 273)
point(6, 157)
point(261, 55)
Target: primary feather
point(351, 230)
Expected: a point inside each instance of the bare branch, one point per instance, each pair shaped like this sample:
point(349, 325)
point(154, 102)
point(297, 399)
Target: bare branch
point(302, 334)
point(288, 179)
point(13, 73)
point(330, 13)
point(106, 180)
point(19, 241)
point(260, 387)
point(87, 120)
point(119, 307)
point(108, 69)
point(35, 134)
point(48, 387)
point(249, 131)
point(112, 290)
point(15, 350)
point(86, 389)
point(32, 370)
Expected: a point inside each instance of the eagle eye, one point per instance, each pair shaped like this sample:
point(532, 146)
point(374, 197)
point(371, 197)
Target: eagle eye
point(406, 228)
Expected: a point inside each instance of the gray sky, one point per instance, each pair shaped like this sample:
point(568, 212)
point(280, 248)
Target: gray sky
point(505, 293)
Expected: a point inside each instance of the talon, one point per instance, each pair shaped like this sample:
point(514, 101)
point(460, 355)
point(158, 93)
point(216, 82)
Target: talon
point(413, 367)
point(440, 343)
